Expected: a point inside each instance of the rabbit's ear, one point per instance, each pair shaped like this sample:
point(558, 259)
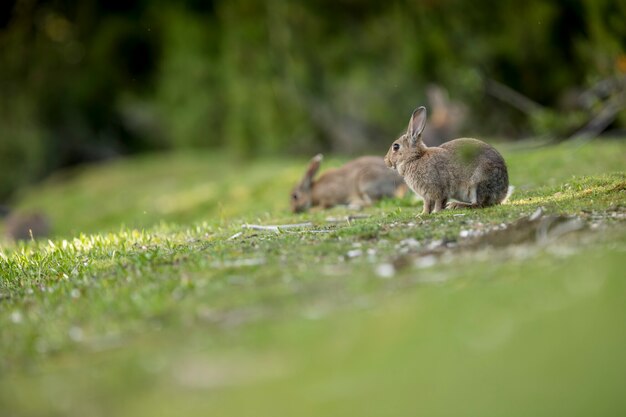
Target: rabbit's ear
point(314, 166)
point(417, 123)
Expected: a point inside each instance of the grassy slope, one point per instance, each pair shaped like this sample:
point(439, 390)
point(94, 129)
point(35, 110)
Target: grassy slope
point(205, 187)
point(300, 328)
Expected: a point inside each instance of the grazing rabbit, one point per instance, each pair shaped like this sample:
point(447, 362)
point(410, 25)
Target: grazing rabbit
point(467, 170)
point(25, 226)
point(357, 183)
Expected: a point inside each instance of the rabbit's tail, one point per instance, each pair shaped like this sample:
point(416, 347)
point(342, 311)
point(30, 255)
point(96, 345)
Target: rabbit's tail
point(509, 192)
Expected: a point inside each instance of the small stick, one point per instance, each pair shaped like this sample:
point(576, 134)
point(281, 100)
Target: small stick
point(276, 227)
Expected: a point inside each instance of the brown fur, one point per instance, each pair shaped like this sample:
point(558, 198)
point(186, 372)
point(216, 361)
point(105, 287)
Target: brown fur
point(467, 170)
point(358, 183)
point(25, 226)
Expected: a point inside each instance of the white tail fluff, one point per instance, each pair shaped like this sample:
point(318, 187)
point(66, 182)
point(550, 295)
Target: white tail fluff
point(508, 194)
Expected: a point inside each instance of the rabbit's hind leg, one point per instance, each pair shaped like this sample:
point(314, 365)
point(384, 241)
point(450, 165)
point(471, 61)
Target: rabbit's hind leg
point(480, 195)
point(439, 205)
point(454, 205)
point(487, 194)
point(473, 198)
point(469, 198)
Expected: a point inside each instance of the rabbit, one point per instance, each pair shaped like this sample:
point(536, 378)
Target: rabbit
point(25, 226)
point(467, 170)
point(358, 183)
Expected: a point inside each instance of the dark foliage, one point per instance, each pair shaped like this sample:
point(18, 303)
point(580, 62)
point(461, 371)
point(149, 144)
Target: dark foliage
point(89, 80)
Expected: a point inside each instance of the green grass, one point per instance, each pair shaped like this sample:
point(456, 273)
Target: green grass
point(207, 187)
point(178, 313)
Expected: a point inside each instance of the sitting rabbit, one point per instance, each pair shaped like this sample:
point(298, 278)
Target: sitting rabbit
point(467, 170)
point(357, 183)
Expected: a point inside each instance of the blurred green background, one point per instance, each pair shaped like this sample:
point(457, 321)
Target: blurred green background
point(150, 298)
point(92, 80)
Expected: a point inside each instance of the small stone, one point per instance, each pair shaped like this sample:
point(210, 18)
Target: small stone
point(410, 242)
point(75, 333)
point(426, 261)
point(435, 244)
point(16, 317)
point(385, 271)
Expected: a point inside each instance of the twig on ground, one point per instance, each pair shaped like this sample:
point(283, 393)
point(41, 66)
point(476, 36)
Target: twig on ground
point(276, 227)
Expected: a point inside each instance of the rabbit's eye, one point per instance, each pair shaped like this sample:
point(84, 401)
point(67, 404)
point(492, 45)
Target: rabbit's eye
point(294, 196)
point(396, 147)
